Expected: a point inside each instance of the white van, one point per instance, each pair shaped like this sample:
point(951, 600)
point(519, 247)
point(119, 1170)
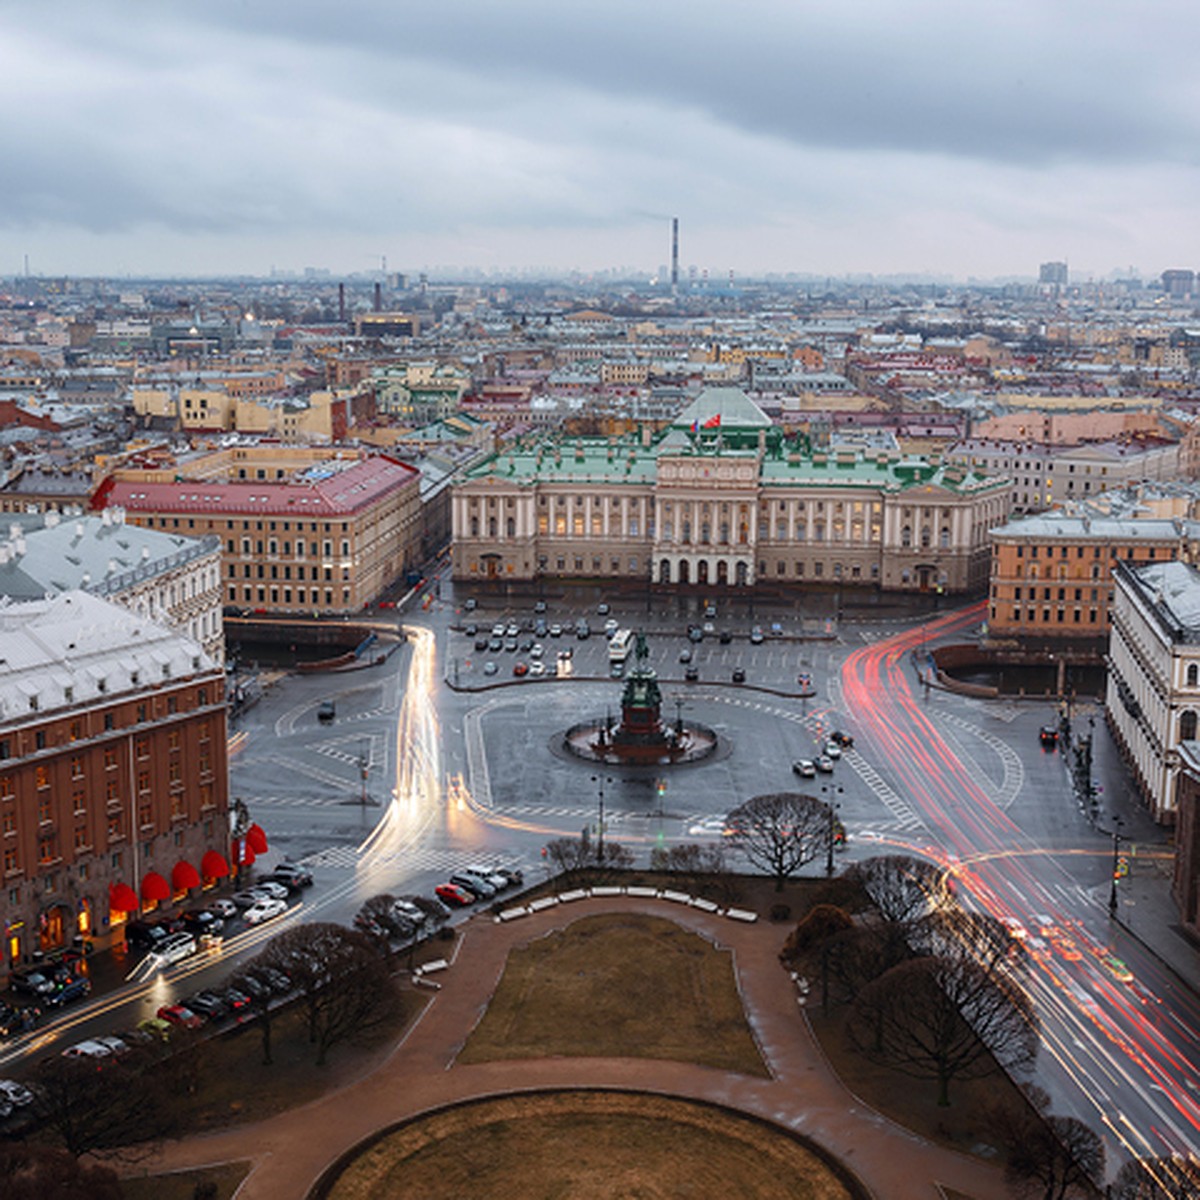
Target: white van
point(175, 947)
point(619, 645)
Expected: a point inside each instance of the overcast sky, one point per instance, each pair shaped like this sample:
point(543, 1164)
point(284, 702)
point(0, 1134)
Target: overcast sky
point(827, 136)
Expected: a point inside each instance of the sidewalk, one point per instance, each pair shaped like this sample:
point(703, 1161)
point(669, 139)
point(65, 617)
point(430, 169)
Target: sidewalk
point(291, 1150)
point(1147, 913)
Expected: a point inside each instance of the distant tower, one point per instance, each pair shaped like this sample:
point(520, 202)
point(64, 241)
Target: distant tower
point(674, 253)
point(342, 302)
point(379, 297)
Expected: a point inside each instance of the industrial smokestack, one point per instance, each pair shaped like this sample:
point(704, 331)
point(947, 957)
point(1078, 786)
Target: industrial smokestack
point(342, 303)
point(674, 253)
point(379, 297)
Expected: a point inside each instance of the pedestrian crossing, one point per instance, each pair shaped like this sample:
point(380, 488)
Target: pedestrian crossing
point(904, 816)
point(424, 859)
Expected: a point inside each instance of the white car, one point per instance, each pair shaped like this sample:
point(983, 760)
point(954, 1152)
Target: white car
point(89, 1049)
point(14, 1093)
point(805, 768)
point(498, 629)
point(277, 891)
point(537, 668)
point(832, 750)
point(223, 907)
point(264, 910)
point(610, 626)
point(709, 827)
point(537, 650)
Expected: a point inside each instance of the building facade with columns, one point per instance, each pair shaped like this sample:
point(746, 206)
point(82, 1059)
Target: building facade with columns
point(723, 497)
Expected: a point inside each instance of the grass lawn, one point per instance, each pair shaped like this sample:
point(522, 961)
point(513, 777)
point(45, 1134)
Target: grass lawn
point(602, 1145)
point(182, 1184)
point(618, 985)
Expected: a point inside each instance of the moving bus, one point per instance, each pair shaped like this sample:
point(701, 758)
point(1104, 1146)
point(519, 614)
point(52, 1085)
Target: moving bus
point(619, 645)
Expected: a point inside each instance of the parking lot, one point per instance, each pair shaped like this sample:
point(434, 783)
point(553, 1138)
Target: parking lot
point(488, 646)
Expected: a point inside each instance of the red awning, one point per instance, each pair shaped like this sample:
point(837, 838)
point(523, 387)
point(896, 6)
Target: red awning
point(213, 865)
point(155, 887)
point(184, 876)
point(122, 898)
point(256, 839)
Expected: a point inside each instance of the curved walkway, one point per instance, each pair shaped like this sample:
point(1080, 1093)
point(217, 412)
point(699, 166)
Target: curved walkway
point(289, 1151)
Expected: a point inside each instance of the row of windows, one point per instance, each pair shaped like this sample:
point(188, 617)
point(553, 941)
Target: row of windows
point(76, 731)
point(1049, 616)
point(303, 596)
point(316, 549)
point(1093, 594)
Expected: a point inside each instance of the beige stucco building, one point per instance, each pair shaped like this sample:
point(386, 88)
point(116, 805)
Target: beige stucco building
point(723, 498)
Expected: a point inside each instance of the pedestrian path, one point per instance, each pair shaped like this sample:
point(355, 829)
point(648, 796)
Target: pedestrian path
point(288, 1152)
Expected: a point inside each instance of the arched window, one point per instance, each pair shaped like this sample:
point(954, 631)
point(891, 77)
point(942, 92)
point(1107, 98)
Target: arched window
point(944, 538)
point(906, 536)
point(1187, 726)
point(1192, 672)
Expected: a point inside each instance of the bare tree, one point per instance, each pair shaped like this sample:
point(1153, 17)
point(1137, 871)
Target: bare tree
point(953, 932)
point(33, 1172)
point(343, 985)
point(260, 1001)
point(118, 1108)
point(901, 887)
point(1175, 1178)
point(944, 1019)
point(781, 832)
point(702, 869)
point(1057, 1158)
point(576, 858)
point(854, 957)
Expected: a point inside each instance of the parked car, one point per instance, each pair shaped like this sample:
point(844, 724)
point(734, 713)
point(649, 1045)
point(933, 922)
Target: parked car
point(473, 884)
point(431, 906)
point(725, 637)
point(556, 630)
point(452, 894)
point(514, 875)
point(75, 989)
point(824, 764)
point(691, 674)
point(180, 1015)
point(757, 636)
point(292, 875)
point(155, 1028)
point(143, 936)
point(488, 875)
point(526, 644)
point(611, 626)
point(16, 1094)
point(842, 739)
point(209, 1005)
point(272, 887)
point(805, 768)
point(266, 909)
point(832, 749)
point(540, 628)
point(236, 1001)
point(248, 897)
point(200, 921)
point(495, 645)
point(520, 668)
point(695, 633)
point(510, 645)
point(537, 668)
point(710, 611)
point(326, 711)
point(739, 675)
point(223, 907)
point(117, 1046)
point(537, 650)
point(490, 668)
point(498, 629)
point(469, 604)
point(602, 609)
point(540, 606)
point(89, 1049)
point(409, 910)
point(583, 631)
point(34, 983)
point(685, 655)
point(481, 643)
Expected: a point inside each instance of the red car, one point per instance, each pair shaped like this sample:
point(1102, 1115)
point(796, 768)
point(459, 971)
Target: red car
point(452, 894)
point(177, 1014)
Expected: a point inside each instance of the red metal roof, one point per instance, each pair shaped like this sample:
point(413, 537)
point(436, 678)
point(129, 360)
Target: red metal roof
point(344, 491)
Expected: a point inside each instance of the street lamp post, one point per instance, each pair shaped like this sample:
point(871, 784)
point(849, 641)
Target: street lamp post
point(833, 806)
point(1116, 861)
point(601, 780)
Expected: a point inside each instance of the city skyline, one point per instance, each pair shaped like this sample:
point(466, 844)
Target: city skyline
point(841, 141)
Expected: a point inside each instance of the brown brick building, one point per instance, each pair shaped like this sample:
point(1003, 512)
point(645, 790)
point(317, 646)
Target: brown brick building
point(113, 771)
